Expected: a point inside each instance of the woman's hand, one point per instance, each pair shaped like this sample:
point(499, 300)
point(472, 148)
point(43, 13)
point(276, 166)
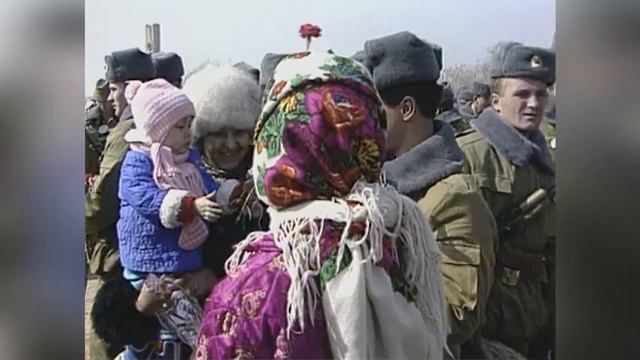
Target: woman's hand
point(208, 209)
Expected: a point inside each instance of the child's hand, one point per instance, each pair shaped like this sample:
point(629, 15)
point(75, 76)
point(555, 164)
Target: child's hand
point(208, 209)
point(151, 301)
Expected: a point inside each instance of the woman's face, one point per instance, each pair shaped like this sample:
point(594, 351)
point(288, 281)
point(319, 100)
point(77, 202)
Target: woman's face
point(227, 147)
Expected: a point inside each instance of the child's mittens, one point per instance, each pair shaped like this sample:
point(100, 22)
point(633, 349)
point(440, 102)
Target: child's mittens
point(193, 234)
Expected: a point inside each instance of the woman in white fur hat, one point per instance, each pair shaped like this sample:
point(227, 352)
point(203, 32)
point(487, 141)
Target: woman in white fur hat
point(227, 101)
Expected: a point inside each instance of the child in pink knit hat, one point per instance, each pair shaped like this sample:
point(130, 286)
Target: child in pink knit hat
point(163, 202)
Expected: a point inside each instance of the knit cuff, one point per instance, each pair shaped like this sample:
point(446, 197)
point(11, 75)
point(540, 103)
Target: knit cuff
point(170, 208)
point(188, 211)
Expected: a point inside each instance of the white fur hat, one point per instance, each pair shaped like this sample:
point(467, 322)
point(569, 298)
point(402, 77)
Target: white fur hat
point(224, 96)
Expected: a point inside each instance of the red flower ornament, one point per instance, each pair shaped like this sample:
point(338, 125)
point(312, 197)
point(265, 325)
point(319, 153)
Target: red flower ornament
point(308, 31)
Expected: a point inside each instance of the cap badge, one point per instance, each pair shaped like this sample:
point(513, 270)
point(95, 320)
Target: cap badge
point(536, 61)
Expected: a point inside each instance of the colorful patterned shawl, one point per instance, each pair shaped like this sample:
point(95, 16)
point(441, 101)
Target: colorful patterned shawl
point(319, 149)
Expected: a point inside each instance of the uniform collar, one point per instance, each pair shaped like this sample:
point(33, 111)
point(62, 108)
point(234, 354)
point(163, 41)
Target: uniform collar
point(519, 149)
point(429, 162)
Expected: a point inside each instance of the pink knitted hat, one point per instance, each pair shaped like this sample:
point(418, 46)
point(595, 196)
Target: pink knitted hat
point(156, 106)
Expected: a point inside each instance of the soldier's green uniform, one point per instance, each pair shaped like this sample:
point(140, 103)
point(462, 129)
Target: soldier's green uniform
point(96, 128)
point(430, 173)
point(458, 122)
point(509, 166)
point(549, 131)
point(101, 215)
point(102, 205)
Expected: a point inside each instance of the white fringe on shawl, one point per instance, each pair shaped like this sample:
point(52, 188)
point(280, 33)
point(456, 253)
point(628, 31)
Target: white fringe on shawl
point(382, 208)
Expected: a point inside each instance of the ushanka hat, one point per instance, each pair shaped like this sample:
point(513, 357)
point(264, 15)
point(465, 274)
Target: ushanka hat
point(514, 60)
point(224, 96)
point(129, 64)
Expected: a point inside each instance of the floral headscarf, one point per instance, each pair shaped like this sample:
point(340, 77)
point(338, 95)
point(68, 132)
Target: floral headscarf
point(319, 149)
point(319, 131)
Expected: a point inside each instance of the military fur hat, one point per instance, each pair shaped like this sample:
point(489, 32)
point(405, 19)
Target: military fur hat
point(480, 89)
point(101, 92)
point(437, 51)
point(514, 60)
point(464, 93)
point(255, 73)
point(168, 66)
point(400, 59)
point(359, 56)
point(446, 101)
point(268, 65)
point(129, 64)
point(224, 96)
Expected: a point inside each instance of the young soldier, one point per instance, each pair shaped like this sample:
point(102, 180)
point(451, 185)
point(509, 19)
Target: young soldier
point(509, 159)
point(427, 167)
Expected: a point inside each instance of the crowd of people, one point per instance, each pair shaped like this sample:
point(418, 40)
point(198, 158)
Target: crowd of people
point(322, 206)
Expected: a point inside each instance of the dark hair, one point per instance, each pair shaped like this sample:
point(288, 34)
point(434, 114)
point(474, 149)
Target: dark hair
point(426, 94)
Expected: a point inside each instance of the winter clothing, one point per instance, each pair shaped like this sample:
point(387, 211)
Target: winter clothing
point(157, 106)
point(431, 174)
point(400, 59)
point(508, 166)
point(290, 292)
point(217, 92)
point(146, 244)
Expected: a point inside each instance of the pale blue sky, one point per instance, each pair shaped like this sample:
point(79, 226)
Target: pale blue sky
point(240, 30)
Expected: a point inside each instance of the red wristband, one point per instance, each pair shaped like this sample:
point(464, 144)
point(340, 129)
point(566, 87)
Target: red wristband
point(188, 211)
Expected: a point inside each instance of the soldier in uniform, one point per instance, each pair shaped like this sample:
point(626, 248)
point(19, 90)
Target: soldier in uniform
point(463, 96)
point(427, 167)
point(101, 202)
point(267, 67)
point(480, 94)
point(168, 66)
point(99, 118)
point(548, 125)
point(447, 99)
point(450, 114)
point(508, 157)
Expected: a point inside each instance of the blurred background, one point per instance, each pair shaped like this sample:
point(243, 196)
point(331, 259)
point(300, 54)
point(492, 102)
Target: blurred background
point(44, 56)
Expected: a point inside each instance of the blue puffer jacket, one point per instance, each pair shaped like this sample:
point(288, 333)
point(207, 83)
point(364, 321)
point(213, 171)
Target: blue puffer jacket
point(145, 244)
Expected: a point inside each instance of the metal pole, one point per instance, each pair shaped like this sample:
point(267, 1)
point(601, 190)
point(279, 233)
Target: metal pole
point(156, 38)
point(148, 38)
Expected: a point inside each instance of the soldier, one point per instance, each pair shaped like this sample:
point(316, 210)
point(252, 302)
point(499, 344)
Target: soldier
point(101, 203)
point(463, 96)
point(548, 125)
point(447, 99)
point(450, 114)
point(168, 66)
point(480, 94)
point(99, 118)
point(122, 66)
point(268, 65)
point(509, 158)
point(358, 56)
point(427, 167)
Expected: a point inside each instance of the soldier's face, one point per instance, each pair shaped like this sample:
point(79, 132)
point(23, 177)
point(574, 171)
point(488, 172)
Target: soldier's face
point(395, 128)
point(227, 147)
point(521, 103)
point(116, 97)
point(179, 136)
point(479, 104)
point(107, 109)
